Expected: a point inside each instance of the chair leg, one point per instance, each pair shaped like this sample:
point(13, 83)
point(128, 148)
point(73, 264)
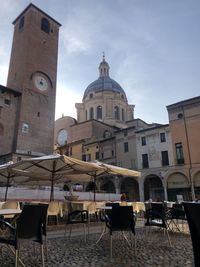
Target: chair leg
point(65, 230)
point(16, 257)
point(135, 244)
point(57, 219)
point(46, 248)
point(103, 233)
point(111, 248)
point(169, 238)
point(42, 254)
point(70, 231)
point(84, 232)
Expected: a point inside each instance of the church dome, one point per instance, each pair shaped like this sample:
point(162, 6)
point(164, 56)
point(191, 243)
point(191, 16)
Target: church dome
point(104, 82)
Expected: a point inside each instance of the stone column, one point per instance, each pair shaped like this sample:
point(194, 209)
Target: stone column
point(141, 188)
point(117, 184)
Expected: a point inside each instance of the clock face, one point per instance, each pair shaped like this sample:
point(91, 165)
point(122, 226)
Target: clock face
point(62, 137)
point(40, 83)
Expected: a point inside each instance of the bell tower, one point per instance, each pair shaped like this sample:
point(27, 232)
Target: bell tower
point(33, 72)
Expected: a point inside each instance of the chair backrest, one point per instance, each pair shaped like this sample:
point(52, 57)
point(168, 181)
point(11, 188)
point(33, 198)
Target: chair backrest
point(192, 211)
point(178, 212)
point(54, 208)
point(112, 204)
point(10, 205)
point(158, 208)
point(122, 218)
point(30, 222)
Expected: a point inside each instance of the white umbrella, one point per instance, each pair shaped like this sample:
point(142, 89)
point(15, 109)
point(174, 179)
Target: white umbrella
point(53, 169)
point(115, 170)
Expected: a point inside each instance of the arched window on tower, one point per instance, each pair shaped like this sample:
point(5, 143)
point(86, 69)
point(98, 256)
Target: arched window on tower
point(123, 115)
point(116, 112)
point(86, 116)
point(99, 112)
point(45, 25)
point(91, 113)
point(1, 130)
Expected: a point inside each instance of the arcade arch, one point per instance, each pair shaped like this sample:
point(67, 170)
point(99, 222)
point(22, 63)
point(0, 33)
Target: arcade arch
point(153, 188)
point(178, 184)
point(196, 180)
point(131, 187)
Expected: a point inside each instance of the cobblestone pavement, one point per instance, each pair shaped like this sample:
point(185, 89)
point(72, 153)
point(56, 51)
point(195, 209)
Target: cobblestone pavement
point(152, 251)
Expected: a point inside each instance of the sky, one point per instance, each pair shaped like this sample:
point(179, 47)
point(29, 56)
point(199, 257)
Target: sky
point(152, 47)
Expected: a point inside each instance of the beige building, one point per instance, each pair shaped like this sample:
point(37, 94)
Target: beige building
point(166, 154)
point(184, 119)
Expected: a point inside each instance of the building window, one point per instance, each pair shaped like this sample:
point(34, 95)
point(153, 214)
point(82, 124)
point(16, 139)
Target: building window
point(21, 23)
point(112, 153)
point(86, 114)
point(97, 155)
point(165, 158)
point(116, 112)
point(179, 153)
point(70, 151)
point(7, 101)
point(107, 134)
point(99, 112)
point(143, 140)
point(125, 133)
point(145, 161)
point(1, 111)
point(162, 137)
point(88, 157)
point(123, 115)
point(45, 25)
point(125, 147)
point(91, 113)
point(91, 95)
point(25, 128)
point(102, 155)
point(83, 157)
point(1, 130)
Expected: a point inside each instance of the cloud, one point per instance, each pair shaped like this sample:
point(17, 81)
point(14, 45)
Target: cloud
point(73, 43)
point(65, 101)
point(3, 74)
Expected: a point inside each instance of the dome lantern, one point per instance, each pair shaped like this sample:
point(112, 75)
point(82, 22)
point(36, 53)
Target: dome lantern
point(104, 68)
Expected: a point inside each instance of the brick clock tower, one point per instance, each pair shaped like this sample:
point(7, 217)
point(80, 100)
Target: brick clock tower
point(33, 72)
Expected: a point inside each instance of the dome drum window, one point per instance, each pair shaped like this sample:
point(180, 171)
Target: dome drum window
point(91, 113)
point(116, 113)
point(99, 112)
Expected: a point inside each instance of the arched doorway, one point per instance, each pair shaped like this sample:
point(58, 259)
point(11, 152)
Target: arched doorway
point(153, 188)
point(90, 187)
point(197, 185)
point(178, 185)
point(108, 187)
point(131, 188)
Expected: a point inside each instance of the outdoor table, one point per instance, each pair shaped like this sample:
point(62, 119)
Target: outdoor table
point(4, 212)
point(9, 212)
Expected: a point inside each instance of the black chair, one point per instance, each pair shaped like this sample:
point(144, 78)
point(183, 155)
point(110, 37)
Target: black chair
point(121, 218)
point(192, 211)
point(157, 215)
point(78, 217)
point(28, 226)
point(177, 216)
point(44, 226)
